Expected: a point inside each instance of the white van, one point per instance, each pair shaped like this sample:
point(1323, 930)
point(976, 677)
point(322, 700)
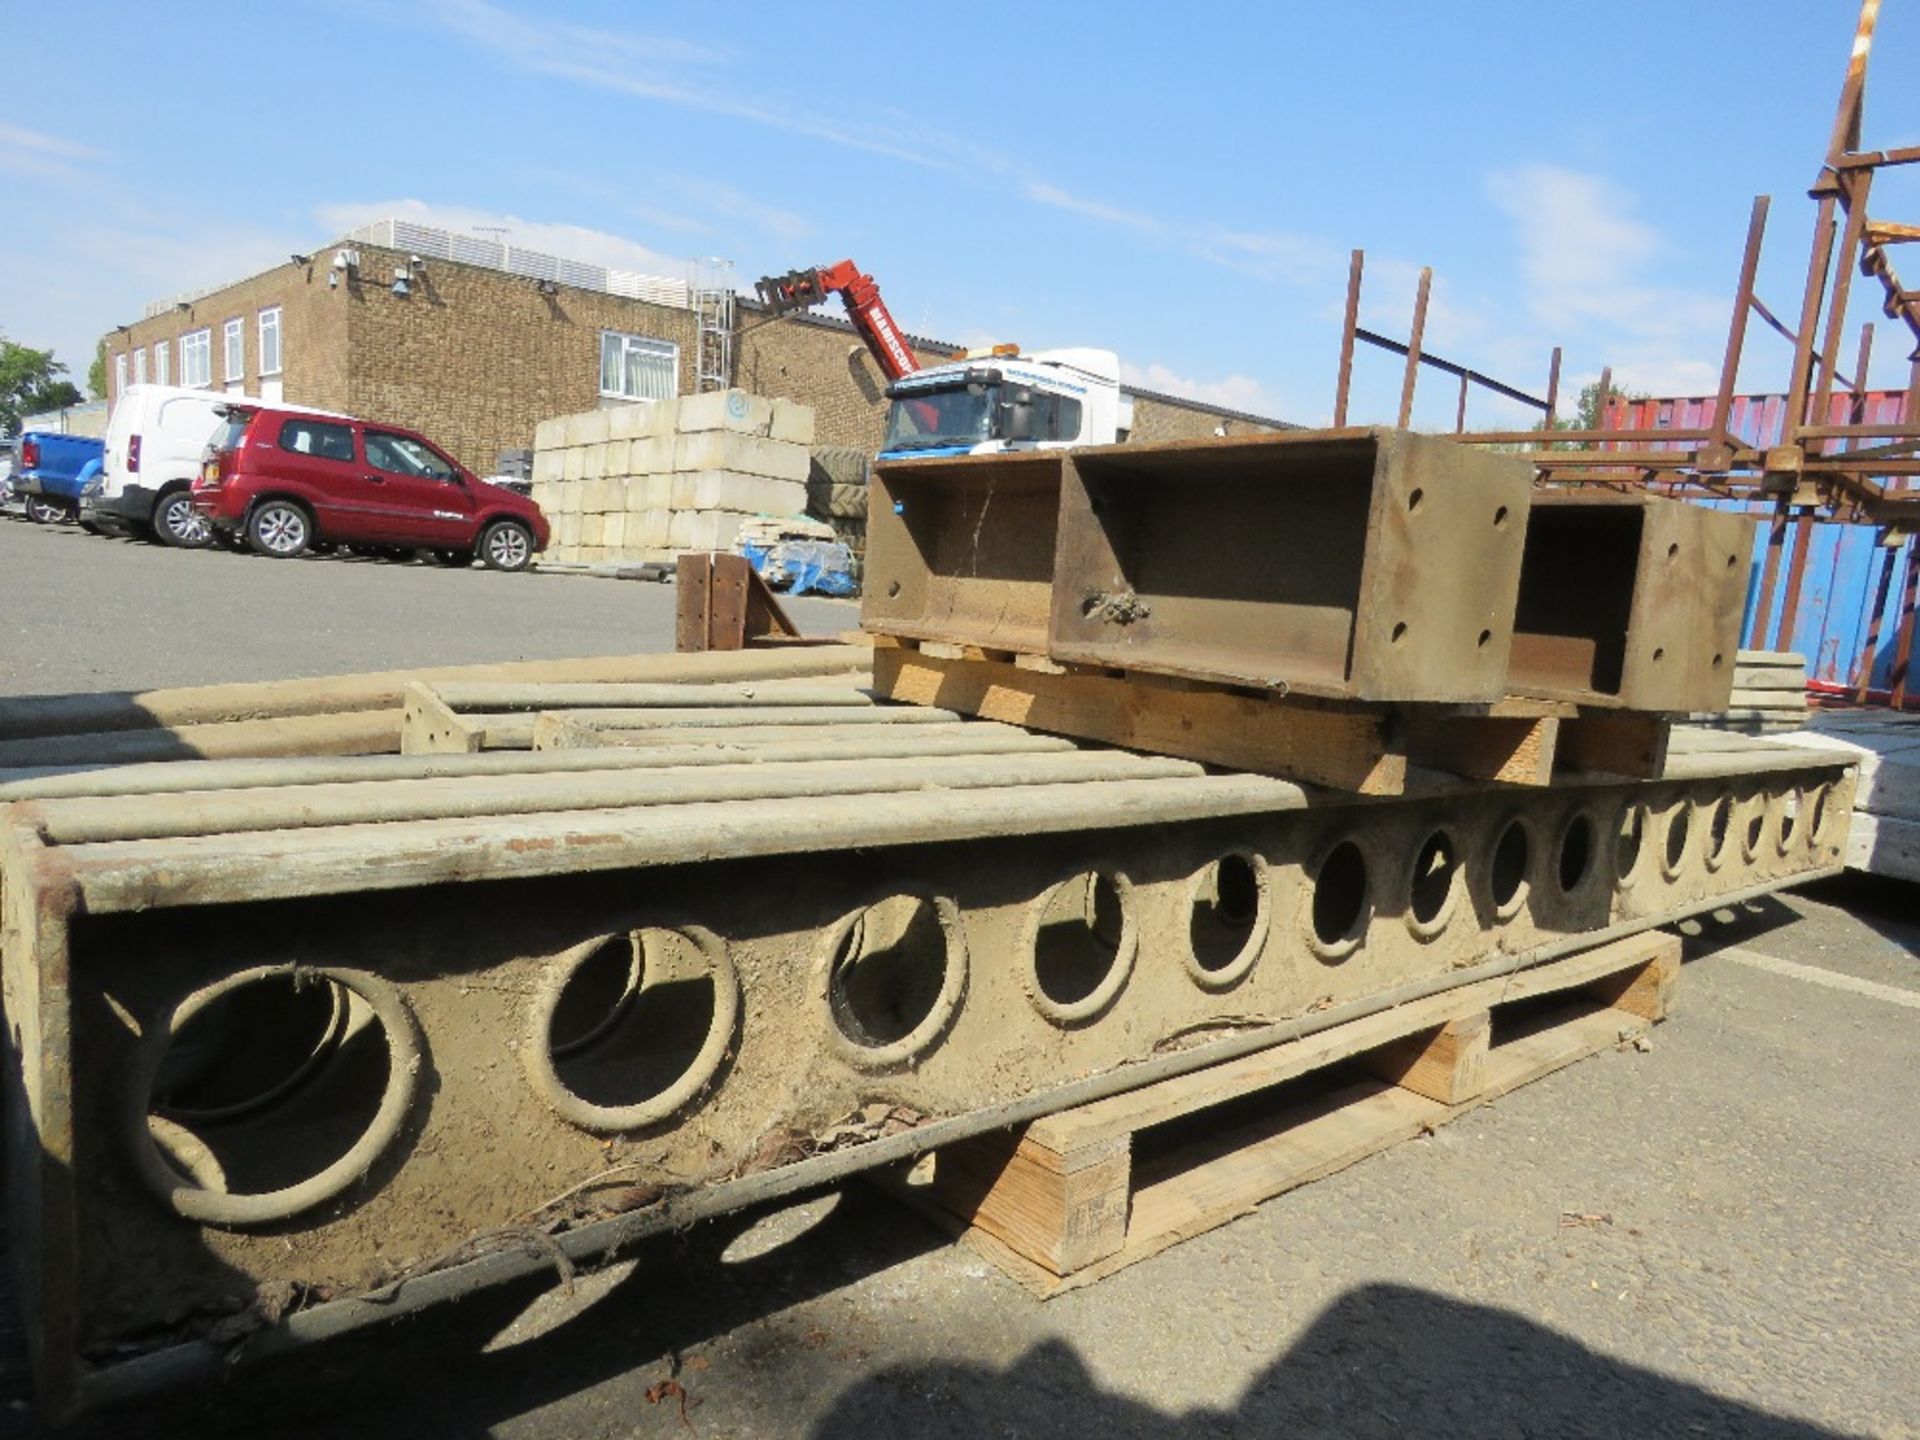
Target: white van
point(156, 442)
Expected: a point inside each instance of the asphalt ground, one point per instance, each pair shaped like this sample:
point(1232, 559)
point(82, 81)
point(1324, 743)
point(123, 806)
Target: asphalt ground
point(1744, 1257)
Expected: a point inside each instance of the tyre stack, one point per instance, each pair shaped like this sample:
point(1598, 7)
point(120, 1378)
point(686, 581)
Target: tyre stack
point(837, 492)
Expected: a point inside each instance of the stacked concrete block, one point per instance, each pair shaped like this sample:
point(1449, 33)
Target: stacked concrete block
point(649, 480)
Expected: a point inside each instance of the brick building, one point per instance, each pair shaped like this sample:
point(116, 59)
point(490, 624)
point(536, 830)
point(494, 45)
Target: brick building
point(475, 343)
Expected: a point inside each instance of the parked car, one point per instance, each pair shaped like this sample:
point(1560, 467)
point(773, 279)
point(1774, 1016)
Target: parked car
point(47, 473)
point(156, 441)
point(286, 480)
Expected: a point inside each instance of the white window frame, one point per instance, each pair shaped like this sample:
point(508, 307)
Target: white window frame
point(119, 374)
point(140, 366)
point(233, 344)
point(630, 348)
point(270, 325)
point(196, 359)
point(162, 362)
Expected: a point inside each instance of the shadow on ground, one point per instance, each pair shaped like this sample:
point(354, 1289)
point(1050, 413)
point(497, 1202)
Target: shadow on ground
point(1383, 1360)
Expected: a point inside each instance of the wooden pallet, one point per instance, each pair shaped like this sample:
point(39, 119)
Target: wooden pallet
point(1073, 1197)
point(1369, 749)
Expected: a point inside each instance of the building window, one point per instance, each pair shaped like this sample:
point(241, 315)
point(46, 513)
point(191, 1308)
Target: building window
point(140, 366)
point(234, 337)
point(270, 341)
point(162, 363)
point(119, 374)
point(633, 367)
point(196, 359)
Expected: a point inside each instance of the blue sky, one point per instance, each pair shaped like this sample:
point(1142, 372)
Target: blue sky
point(1181, 184)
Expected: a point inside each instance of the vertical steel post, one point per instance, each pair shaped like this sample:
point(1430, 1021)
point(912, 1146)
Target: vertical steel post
point(1460, 413)
point(1811, 300)
point(1853, 194)
point(1864, 673)
point(1345, 381)
point(1903, 648)
point(1796, 579)
point(1553, 389)
point(1413, 346)
point(1770, 573)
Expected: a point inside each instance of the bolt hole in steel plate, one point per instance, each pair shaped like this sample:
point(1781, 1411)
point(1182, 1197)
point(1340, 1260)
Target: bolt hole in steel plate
point(1230, 904)
point(1511, 863)
point(270, 1092)
point(1679, 834)
point(1719, 823)
point(1629, 842)
point(1433, 884)
point(891, 977)
point(628, 1030)
point(1576, 850)
point(1080, 946)
point(1339, 902)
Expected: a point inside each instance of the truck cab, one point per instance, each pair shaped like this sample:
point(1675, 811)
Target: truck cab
point(1001, 400)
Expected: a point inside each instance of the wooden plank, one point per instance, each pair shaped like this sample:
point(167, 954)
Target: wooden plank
point(1155, 1104)
point(1062, 1211)
point(357, 732)
point(674, 717)
point(428, 726)
point(1327, 747)
point(1445, 1064)
point(1512, 750)
point(1633, 745)
point(466, 695)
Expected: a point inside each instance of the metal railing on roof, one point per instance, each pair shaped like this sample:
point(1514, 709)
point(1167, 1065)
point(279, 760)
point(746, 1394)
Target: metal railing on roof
point(431, 242)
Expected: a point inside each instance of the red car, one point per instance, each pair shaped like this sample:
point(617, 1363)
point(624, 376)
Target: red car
point(286, 480)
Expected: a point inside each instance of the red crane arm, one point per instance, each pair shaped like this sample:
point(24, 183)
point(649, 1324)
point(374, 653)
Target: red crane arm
point(799, 289)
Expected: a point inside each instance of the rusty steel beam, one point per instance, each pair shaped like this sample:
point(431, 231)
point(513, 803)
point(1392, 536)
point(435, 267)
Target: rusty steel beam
point(1343, 386)
point(1412, 375)
point(1742, 303)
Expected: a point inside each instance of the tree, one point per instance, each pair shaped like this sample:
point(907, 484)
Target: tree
point(97, 372)
point(1586, 414)
point(29, 383)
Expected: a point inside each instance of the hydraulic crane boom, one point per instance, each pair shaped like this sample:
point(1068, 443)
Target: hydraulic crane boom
point(800, 289)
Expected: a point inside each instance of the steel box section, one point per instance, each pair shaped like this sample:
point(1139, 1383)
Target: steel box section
point(962, 550)
point(1630, 601)
point(1361, 564)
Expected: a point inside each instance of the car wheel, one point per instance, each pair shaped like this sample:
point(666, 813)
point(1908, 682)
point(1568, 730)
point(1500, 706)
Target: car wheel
point(279, 528)
point(45, 511)
point(507, 545)
point(452, 559)
point(177, 523)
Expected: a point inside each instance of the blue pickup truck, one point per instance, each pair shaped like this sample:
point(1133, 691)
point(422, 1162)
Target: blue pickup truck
point(50, 470)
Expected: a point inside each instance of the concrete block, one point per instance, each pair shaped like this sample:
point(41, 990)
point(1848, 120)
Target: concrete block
point(573, 457)
point(617, 455)
point(593, 461)
point(730, 490)
point(590, 427)
point(612, 495)
point(566, 529)
point(613, 528)
point(651, 455)
point(658, 494)
point(714, 529)
point(591, 527)
point(634, 421)
point(792, 422)
point(550, 434)
point(548, 465)
point(748, 454)
point(633, 491)
point(651, 529)
point(725, 410)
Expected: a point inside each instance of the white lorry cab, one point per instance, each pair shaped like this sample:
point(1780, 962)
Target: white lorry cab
point(156, 443)
point(1002, 400)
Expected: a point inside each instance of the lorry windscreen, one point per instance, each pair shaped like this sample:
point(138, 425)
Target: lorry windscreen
point(927, 419)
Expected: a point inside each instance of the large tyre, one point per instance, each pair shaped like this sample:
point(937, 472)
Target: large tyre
point(279, 528)
point(46, 510)
point(506, 545)
point(177, 523)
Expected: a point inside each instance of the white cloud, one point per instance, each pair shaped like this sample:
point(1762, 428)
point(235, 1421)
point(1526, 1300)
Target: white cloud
point(33, 152)
point(1263, 255)
point(1234, 392)
point(572, 242)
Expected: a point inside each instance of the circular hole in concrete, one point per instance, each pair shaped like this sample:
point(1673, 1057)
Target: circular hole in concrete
point(1679, 827)
point(1340, 898)
point(1719, 828)
point(1436, 865)
point(1756, 828)
point(1226, 917)
point(1414, 499)
point(888, 971)
point(1629, 839)
point(1077, 941)
point(270, 1091)
point(1576, 853)
point(1789, 817)
point(1507, 876)
point(1817, 814)
point(633, 1018)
